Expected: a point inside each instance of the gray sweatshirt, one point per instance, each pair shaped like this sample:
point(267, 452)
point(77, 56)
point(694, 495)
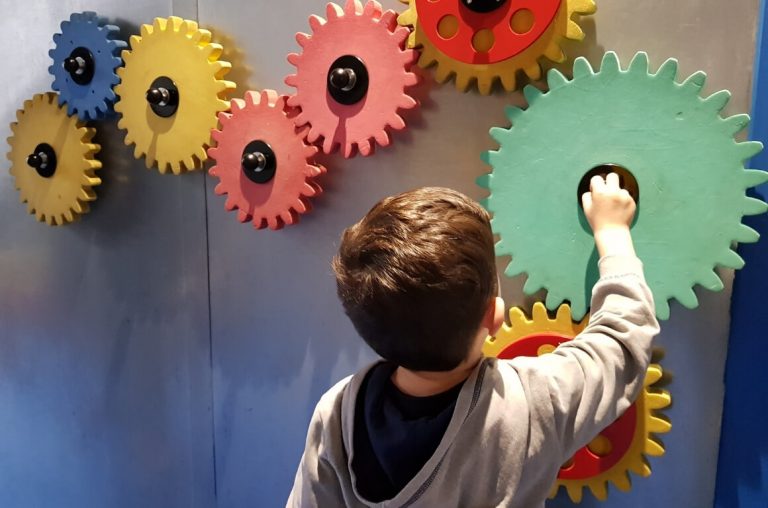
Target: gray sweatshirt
point(515, 422)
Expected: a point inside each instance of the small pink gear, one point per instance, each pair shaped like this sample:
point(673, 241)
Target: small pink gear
point(371, 37)
point(262, 161)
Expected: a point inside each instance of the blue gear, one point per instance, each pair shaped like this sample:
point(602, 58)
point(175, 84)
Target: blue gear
point(95, 99)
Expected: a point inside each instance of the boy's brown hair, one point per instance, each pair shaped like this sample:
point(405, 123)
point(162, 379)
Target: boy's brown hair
point(416, 276)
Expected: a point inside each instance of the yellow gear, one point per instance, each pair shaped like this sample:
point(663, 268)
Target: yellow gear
point(63, 195)
point(174, 48)
point(547, 45)
point(651, 400)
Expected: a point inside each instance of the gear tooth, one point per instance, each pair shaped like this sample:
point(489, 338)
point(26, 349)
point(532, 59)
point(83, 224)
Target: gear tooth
point(532, 93)
point(202, 37)
point(382, 138)
point(610, 64)
point(652, 375)
point(316, 23)
point(754, 177)
point(533, 71)
point(302, 39)
point(641, 467)
point(658, 426)
point(242, 215)
point(748, 149)
point(531, 285)
point(484, 181)
point(718, 100)
point(564, 314)
point(622, 481)
point(736, 123)
point(583, 7)
point(729, 259)
point(213, 51)
point(513, 113)
point(333, 11)
point(574, 492)
point(291, 80)
point(581, 68)
point(515, 268)
point(753, 206)
point(144, 31)
point(463, 81)
point(639, 63)
point(745, 234)
point(485, 84)
point(539, 312)
point(554, 52)
point(573, 31)
point(653, 448)
point(555, 79)
point(710, 280)
point(442, 72)
point(694, 82)
point(687, 298)
point(553, 300)
point(508, 81)
point(662, 308)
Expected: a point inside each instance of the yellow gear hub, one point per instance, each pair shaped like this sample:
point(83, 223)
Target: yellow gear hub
point(612, 454)
point(548, 44)
point(177, 51)
point(58, 187)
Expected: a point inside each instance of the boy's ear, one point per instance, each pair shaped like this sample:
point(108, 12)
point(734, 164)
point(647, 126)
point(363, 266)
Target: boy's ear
point(494, 316)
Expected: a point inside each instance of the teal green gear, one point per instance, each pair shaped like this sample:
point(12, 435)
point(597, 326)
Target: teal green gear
point(682, 153)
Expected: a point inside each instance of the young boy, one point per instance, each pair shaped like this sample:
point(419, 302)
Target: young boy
point(436, 425)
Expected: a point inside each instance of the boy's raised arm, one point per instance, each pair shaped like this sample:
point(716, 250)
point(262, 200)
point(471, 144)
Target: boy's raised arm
point(585, 384)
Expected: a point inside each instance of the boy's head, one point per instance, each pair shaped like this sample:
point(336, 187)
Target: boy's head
point(417, 275)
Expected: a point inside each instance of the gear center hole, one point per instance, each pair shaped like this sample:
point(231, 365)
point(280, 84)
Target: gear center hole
point(626, 180)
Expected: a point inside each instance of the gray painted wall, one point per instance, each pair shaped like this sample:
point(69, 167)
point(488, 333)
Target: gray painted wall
point(112, 389)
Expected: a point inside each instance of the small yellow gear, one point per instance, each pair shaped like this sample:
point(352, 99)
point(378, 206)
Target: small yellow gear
point(175, 57)
point(548, 44)
point(622, 446)
point(53, 160)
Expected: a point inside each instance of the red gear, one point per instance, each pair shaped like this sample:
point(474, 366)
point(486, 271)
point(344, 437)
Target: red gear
point(278, 202)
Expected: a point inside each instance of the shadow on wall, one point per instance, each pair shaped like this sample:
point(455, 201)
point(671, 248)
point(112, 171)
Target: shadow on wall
point(743, 463)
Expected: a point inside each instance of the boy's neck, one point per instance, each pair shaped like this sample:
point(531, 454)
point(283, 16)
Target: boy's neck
point(425, 384)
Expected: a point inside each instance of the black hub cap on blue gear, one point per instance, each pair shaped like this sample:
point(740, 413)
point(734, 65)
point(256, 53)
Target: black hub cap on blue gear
point(80, 65)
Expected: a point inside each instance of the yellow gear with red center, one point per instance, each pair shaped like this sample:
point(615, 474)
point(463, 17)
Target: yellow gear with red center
point(497, 31)
point(621, 447)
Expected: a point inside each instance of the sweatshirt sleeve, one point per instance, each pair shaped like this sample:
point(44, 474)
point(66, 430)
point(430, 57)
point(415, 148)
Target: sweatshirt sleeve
point(316, 482)
point(585, 384)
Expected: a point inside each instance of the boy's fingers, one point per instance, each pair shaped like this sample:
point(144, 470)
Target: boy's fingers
point(597, 183)
point(586, 200)
point(612, 181)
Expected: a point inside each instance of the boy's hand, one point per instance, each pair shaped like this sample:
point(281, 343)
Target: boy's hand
point(610, 210)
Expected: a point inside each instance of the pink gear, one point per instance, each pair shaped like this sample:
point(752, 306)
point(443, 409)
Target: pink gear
point(373, 36)
point(264, 117)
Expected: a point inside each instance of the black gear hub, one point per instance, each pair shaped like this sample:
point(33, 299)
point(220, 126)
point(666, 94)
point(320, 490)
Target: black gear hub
point(348, 80)
point(163, 97)
point(259, 162)
point(80, 65)
point(43, 160)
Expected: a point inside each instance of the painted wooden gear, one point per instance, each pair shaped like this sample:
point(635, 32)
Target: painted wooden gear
point(171, 91)
point(484, 41)
point(53, 160)
point(689, 169)
point(264, 166)
point(620, 448)
point(85, 60)
point(352, 78)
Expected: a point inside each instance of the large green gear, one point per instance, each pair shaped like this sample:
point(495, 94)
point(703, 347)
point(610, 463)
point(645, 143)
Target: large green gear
point(689, 168)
